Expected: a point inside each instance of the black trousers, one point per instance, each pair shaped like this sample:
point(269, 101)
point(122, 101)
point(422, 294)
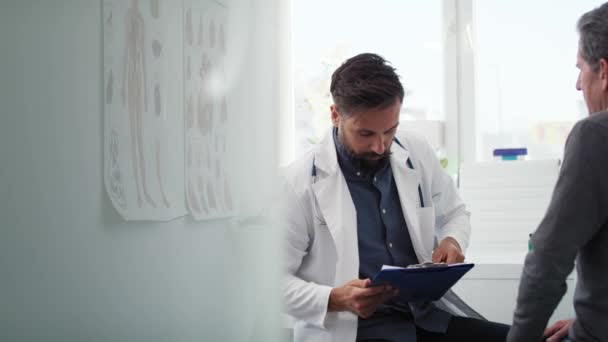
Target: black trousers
point(467, 330)
point(464, 329)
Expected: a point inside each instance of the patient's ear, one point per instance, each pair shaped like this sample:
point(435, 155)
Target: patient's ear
point(603, 73)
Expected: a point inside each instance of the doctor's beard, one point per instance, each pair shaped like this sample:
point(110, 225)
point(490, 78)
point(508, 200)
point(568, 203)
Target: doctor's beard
point(368, 161)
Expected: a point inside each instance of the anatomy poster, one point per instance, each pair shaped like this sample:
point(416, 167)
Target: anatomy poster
point(207, 111)
point(143, 108)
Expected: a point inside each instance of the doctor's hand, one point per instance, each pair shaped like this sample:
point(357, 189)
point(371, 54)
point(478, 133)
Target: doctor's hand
point(448, 251)
point(359, 298)
point(558, 331)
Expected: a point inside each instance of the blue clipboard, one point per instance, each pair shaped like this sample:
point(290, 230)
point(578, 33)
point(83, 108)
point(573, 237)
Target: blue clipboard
point(422, 282)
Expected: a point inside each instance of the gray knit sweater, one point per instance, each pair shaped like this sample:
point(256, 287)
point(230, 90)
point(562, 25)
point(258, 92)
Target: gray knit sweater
point(574, 227)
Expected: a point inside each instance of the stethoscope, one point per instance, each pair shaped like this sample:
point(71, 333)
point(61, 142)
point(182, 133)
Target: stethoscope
point(408, 162)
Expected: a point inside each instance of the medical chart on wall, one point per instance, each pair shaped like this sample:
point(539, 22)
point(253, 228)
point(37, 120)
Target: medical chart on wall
point(143, 108)
point(207, 113)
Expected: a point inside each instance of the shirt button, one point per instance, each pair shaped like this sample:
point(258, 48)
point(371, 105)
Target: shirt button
point(374, 179)
point(358, 173)
point(390, 244)
point(384, 211)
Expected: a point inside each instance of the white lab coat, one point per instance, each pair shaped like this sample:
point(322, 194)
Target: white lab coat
point(320, 225)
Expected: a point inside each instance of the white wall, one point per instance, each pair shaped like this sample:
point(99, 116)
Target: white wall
point(70, 268)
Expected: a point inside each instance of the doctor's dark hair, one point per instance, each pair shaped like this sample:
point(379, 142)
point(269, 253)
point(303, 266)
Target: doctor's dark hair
point(365, 81)
point(593, 35)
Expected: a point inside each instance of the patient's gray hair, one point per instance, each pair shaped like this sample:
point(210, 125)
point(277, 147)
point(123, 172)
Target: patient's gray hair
point(593, 31)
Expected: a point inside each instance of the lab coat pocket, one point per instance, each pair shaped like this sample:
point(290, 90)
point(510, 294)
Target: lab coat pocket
point(319, 221)
point(426, 221)
point(310, 333)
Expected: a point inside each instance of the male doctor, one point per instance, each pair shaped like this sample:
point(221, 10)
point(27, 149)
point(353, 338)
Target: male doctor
point(364, 197)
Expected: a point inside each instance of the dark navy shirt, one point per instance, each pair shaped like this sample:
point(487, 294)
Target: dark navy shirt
point(383, 235)
point(383, 238)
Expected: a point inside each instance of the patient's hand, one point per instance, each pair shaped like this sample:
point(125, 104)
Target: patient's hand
point(359, 298)
point(557, 331)
point(448, 251)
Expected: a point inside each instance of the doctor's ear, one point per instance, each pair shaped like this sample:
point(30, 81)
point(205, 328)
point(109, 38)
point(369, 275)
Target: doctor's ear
point(335, 116)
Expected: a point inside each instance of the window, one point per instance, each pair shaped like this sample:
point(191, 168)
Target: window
point(326, 33)
point(526, 75)
point(498, 74)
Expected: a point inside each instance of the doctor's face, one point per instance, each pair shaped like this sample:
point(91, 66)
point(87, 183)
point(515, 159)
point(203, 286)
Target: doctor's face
point(367, 133)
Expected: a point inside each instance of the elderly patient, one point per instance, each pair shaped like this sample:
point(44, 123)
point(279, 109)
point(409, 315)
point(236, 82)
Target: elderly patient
point(576, 223)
